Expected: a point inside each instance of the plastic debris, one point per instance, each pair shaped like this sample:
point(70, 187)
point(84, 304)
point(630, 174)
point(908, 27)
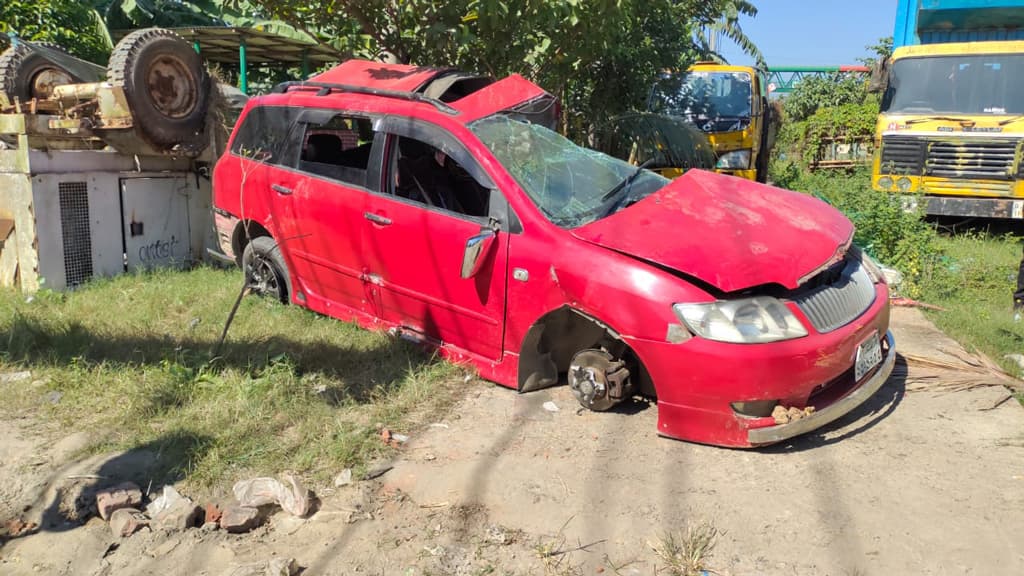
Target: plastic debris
point(551, 406)
point(290, 495)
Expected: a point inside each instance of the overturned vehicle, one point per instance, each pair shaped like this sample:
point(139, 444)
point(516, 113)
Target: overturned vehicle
point(445, 209)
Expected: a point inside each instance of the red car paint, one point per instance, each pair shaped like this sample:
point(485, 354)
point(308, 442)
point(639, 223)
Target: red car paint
point(701, 205)
point(701, 238)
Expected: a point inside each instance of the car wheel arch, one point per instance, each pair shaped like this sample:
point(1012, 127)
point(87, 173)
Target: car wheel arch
point(553, 340)
point(245, 231)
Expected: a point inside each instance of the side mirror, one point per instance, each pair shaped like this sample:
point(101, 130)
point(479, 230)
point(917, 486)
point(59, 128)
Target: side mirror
point(879, 81)
point(477, 249)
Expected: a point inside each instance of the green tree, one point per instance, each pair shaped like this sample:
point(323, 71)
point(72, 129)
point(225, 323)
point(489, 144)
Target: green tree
point(599, 56)
point(72, 24)
point(728, 25)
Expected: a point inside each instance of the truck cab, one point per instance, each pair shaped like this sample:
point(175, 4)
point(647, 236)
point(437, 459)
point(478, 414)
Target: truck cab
point(951, 125)
point(730, 105)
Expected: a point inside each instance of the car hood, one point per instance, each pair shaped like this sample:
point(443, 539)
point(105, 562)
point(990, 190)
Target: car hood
point(728, 232)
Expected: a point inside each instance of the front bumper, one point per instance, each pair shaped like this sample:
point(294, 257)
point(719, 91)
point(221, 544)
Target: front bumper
point(968, 207)
point(836, 410)
point(697, 381)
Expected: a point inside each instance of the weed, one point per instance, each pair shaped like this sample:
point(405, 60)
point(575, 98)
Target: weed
point(885, 230)
point(687, 553)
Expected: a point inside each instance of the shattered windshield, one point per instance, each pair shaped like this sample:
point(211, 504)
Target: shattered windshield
point(713, 101)
point(572, 185)
point(964, 84)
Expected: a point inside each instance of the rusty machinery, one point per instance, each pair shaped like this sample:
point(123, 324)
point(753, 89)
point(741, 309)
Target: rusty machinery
point(82, 146)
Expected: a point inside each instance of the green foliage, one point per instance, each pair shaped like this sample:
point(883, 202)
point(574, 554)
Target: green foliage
point(600, 58)
point(728, 25)
point(882, 50)
point(72, 24)
point(846, 122)
point(893, 236)
point(815, 93)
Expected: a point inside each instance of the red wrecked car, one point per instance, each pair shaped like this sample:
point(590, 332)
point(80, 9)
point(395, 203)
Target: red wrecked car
point(442, 206)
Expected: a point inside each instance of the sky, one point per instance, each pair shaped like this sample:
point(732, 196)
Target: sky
point(814, 32)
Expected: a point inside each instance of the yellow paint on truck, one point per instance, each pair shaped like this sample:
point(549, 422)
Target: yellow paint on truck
point(731, 108)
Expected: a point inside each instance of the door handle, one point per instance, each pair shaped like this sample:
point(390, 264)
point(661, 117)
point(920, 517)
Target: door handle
point(377, 218)
point(281, 189)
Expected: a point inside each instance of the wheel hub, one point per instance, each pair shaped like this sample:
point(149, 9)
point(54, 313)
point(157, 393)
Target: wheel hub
point(597, 380)
point(262, 279)
point(171, 87)
point(46, 80)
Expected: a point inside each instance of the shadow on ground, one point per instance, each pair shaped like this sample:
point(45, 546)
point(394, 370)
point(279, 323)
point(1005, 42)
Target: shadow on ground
point(68, 497)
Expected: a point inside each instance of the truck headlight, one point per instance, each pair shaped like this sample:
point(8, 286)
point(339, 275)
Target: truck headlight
point(735, 160)
point(744, 321)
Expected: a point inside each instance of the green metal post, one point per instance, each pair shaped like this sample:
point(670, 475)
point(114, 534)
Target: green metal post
point(305, 64)
point(243, 76)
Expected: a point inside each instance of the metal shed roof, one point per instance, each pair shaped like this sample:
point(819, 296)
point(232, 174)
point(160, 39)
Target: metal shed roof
point(221, 44)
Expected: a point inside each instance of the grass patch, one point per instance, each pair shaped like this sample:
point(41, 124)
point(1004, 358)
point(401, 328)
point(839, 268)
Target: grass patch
point(971, 274)
point(975, 286)
point(132, 359)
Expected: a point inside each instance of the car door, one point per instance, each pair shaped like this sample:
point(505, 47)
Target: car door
point(416, 249)
point(320, 198)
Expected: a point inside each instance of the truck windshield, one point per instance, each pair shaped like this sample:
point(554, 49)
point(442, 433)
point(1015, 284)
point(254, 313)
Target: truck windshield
point(958, 84)
point(570, 184)
point(714, 101)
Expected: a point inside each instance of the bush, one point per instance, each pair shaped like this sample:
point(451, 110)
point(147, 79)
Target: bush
point(893, 236)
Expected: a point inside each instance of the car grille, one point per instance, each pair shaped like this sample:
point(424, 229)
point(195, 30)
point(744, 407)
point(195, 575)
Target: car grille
point(839, 302)
point(986, 159)
point(902, 155)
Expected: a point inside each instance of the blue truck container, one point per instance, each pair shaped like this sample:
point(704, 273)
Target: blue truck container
point(941, 21)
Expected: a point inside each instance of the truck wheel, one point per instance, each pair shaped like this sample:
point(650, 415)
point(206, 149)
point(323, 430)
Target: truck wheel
point(166, 85)
point(26, 74)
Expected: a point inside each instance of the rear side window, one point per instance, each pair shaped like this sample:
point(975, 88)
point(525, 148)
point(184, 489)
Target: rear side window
point(338, 149)
point(263, 134)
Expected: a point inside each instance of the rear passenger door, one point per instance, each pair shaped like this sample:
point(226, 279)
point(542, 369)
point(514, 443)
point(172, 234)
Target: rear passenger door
point(335, 163)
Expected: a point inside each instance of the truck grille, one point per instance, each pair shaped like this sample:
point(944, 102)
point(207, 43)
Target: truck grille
point(839, 302)
point(986, 159)
point(902, 155)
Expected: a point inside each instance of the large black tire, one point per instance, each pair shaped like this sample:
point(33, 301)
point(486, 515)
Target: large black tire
point(265, 271)
point(166, 85)
point(26, 74)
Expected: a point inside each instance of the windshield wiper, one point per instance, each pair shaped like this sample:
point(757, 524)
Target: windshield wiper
point(934, 118)
point(628, 180)
point(1010, 120)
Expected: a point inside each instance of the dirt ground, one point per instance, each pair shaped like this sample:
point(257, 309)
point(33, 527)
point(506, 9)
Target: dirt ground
point(912, 483)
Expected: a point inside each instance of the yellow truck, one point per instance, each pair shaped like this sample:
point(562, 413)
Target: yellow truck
point(951, 125)
point(730, 105)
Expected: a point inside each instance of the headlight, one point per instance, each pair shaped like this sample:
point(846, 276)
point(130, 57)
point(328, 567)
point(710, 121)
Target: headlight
point(903, 184)
point(735, 160)
point(885, 183)
point(744, 321)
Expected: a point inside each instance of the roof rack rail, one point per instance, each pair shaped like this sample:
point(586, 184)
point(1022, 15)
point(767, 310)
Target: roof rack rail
point(325, 88)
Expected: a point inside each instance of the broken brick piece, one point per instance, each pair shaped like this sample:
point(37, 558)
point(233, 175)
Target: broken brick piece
point(237, 519)
point(124, 495)
point(126, 521)
point(213, 513)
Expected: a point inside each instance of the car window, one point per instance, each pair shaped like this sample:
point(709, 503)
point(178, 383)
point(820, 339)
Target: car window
point(338, 149)
point(422, 172)
point(263, 135)
point(570, 184)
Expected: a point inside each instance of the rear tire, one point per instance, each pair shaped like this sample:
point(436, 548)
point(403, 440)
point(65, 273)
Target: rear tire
point(166, 85)
point(26, 74)
point(266, 274)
